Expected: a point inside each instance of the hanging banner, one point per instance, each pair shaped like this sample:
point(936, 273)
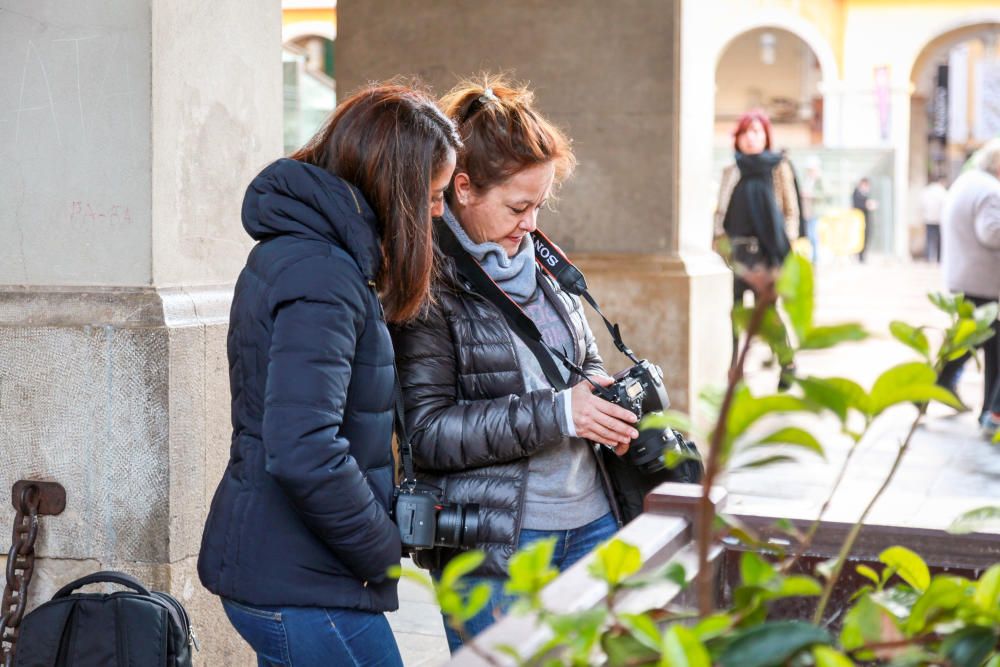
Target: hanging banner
point(939, 105)
point(883, 101)
point(987, 100)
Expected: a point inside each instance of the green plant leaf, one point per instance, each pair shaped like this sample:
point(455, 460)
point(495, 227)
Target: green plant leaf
point(906, 383)
point(946, 302)
point(940, 600)
point(911, 336)
point(460, 566)
point(862, 624)
point(836, 394)
point(668, 419)
point(580, 631)
point(477, 600)
point(615, 561)
point(896, 601)
point(910, 567)
point(771, 644)
point(674, 457)
point(643, 629)
point(397, 572)
point(969, 647)
point(868, 573)
point(682, 648)
point(622, 648)
point(754, 570)
point(981, 519)
point(747, 409)
point(675, 572)
point(796, 585)
point(821, 338)
point(994, 661)
point(794, 436)
point(963, 330)
point(712, 626)
point(765, 461)
point(795, 287)
point(828, 657)
point(530, 569)
point(987, 595)
point(773, 332)
point(986, 314)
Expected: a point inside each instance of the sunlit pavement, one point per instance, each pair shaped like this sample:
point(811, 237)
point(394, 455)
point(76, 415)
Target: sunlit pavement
point(949, 468)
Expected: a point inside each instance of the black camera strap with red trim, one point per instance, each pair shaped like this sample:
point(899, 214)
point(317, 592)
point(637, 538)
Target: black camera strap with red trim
point(554, 262)
point(518, 320)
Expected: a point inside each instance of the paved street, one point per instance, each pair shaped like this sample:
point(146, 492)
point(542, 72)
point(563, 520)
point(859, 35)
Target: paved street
point(949, 469)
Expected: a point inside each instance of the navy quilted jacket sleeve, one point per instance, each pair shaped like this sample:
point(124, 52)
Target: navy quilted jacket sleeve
point(319, 316)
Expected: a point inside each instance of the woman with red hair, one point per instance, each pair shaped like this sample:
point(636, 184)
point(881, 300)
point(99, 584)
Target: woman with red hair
point(758, 208)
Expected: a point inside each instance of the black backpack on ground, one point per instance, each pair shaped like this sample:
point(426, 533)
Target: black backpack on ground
point(133, 628)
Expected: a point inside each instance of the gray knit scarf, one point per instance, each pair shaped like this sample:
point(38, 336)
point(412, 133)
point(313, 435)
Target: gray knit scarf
point(515, 275)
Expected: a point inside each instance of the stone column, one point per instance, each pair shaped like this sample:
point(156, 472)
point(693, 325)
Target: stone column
point(608, 74)
point(128, 136)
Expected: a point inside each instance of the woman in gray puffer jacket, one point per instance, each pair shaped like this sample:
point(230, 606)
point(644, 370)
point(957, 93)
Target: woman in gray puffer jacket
point(486, 425)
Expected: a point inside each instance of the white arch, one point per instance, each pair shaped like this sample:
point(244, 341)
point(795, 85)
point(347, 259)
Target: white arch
point(784, 20)
point(967, 20)
point(290, 31)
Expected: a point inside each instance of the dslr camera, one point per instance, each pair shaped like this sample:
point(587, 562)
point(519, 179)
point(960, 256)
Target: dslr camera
point(640, 390)
point(426, 521)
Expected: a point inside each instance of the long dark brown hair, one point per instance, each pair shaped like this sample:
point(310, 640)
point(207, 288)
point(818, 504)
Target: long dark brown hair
point(389, 140)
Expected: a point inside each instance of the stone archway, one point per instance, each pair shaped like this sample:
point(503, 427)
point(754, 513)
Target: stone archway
point(803, 30)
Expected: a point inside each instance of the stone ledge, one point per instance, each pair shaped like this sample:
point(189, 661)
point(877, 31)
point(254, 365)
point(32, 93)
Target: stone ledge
point(123, 307)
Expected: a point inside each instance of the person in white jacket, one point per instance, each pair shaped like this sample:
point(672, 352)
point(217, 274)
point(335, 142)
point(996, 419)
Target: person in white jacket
point(970, 245)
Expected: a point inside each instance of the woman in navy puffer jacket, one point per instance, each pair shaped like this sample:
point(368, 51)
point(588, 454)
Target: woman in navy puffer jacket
point(299, 536)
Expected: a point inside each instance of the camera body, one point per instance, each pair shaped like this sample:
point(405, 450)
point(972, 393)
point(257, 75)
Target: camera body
point(639, 389)
point(426, 521)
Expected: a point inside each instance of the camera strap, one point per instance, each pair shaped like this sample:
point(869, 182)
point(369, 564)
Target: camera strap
point(518, 320)
point(554, 262)
point(405, 447)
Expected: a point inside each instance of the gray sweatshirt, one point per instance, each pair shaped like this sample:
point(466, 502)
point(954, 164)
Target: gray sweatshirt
point(564, 489)
point(970, 235)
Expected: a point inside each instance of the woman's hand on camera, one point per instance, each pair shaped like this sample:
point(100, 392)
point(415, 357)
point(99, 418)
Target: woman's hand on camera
point(599, 420)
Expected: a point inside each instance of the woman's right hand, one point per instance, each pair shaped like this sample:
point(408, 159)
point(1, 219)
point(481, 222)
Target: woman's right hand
point(599, 420)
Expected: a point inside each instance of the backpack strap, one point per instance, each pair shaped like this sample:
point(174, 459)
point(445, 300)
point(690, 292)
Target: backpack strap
point(105, 577)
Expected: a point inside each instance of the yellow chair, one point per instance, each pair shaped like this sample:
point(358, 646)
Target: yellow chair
point(842, 232)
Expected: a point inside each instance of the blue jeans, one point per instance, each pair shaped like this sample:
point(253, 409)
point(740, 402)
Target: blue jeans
point(571, 546)
point(314, 636)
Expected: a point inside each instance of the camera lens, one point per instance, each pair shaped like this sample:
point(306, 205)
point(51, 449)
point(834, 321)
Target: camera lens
point(458, 526)
point(646, 451)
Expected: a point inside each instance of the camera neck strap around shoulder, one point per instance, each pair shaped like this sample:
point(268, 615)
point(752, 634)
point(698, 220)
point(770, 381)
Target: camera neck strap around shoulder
point(554, 262)
point(405, 447)
point(551, 259)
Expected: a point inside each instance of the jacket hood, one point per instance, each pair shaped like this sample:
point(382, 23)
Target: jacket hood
point(292, 198)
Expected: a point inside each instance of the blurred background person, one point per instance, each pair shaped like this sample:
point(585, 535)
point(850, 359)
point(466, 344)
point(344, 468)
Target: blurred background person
point(814, 199)
point(931, 203)
point(970, 239)
point(862, 201)
point(758, 210)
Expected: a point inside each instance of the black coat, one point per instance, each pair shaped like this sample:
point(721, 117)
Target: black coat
point(300, 517)
point(472, 424)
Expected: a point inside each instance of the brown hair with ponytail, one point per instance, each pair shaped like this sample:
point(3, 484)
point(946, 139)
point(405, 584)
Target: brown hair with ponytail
point(389, 140)
point(502, 133)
